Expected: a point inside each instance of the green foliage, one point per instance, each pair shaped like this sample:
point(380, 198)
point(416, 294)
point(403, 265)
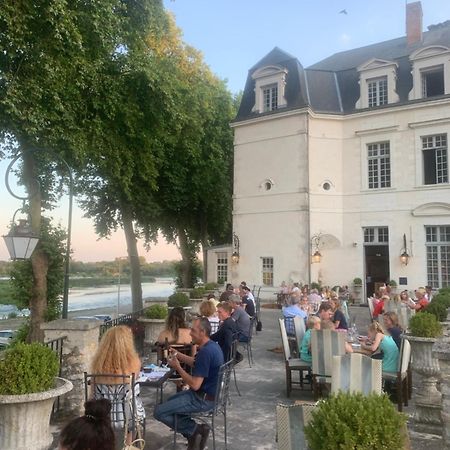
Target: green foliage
point(12, 315)
point(197, 292)
point(392, 283)
point(21, 334)
point(426, 325)
point(315, 285)
point(51, 240)
point(442, 297)
point(357, 281)
point(354, 421)
point(178, 299)
point(28, 368)
point(438, 309)
point(211, 286)
point(156, 312)
point(195, 272)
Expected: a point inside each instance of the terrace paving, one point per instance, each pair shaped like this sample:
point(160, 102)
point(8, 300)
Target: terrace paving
point(251, 418)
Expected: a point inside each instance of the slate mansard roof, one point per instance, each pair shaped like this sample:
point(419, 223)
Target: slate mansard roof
point(332, 85)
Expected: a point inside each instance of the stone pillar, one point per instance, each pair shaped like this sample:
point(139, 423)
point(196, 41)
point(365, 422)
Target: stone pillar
point(441, 351)
point(78, 349)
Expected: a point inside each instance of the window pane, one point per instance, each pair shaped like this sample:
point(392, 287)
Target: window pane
point(438, 256)
point(267, 271)
point(379, 165)
point(222, 267)
point(435, 161)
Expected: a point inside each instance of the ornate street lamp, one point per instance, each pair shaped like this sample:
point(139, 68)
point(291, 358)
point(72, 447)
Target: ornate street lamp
point(315, 241)
point(404, 257)
point(20, 241)
point(235, 255)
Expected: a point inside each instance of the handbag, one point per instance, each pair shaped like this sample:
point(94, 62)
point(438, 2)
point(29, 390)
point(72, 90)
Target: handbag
point(259, 326)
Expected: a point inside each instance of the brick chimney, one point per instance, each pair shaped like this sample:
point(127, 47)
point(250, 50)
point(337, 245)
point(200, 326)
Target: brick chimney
point(414, 22)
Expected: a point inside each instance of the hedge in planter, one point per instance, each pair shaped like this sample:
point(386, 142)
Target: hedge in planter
point(197, 293)
point(353, 421)
point(156, 312)
point(178, 299)
point(438, 309)
point(28, 368)
point(424, 324)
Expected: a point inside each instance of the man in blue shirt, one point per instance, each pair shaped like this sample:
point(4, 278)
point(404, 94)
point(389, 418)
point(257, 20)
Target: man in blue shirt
point(202, 383)
point(289, 312)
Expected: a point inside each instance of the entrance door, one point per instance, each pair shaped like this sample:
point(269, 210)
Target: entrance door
point(377, 267)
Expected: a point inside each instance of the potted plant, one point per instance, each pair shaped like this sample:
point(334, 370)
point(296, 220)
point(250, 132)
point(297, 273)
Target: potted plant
point(154, 321)
point(353, 420)
point(425, 328)
point(393, 285)
point(196, 298)
point(28, 387)
point(357, 289)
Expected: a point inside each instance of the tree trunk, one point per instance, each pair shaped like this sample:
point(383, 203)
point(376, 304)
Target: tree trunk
point(39, 259)
point(205, 244)
point(135, 265)
point(186, 259)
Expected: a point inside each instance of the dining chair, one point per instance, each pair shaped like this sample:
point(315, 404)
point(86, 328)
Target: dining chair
point(324, 345)
point(401, 378)
point(247, 345)
point(355, 372)
point(371, 307)
point(219, 406)
point(292, 364)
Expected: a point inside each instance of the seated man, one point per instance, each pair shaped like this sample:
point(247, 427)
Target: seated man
point(248, 302)
point(227, 331)
point(241, 318)
point(325, 314)
point(203, 383)
point(289, 312)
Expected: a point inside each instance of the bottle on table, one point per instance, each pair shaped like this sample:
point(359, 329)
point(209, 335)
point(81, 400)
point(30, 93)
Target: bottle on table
point(165, 353)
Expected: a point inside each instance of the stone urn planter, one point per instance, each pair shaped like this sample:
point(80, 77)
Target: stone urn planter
point(153, 328)
point(195, 305)
point(25, 419)
point(427, 412)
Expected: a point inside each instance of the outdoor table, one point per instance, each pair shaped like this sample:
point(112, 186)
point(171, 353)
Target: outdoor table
point(155, 379)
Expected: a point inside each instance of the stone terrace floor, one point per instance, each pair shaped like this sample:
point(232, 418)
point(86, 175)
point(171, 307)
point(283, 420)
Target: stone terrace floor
point(251, 418)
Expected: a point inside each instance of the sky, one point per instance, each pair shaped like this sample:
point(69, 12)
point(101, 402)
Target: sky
point(233, 35)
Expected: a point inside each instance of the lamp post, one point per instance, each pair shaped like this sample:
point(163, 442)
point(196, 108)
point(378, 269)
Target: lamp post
point(15, 239)
point(315, 241)
point(235, 255)
point(404, 257)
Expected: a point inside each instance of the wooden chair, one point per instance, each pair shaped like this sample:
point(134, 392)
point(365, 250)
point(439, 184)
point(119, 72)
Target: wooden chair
point(355, 372)
point(371, 307)
point(292, 364)
point(324, 345)
point(402, 377)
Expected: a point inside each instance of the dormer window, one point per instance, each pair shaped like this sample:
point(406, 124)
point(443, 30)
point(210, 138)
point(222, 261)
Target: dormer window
point(432, 81)
point(270, 97)
point(377, 81)
point(431, 72)
point(270, 85)
point(377, 91)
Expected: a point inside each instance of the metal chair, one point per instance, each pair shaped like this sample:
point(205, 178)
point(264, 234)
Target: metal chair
point(121, 391)
point(324, 345)
point(233, 352)
point(219, 407)
point(247, 345)
point(402, 376)
point(292, 364)
point(356, 373)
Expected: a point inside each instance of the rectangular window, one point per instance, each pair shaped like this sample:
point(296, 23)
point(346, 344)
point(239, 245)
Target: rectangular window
point(438, 255)
point(222, 267)
point(267, 271)
point(378, 92)
point(435, 166)
point(270, 97)
point(376, 235)
point(433, 82)
point(379, 165)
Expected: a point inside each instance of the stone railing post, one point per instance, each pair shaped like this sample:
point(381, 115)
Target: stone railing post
point(78, 350)
point(441, 351)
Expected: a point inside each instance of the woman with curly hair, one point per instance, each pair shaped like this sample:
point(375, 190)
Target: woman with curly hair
point(176, 331)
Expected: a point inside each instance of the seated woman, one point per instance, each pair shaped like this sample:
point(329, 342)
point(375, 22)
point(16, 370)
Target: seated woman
point(379, 307)
point(339, 320)
point(176, 331)
point(377, 342)
point(116, 355)
point(208, 310)
point(91, 431)
point(390, 320)
point(313, 323)
point(421, 300)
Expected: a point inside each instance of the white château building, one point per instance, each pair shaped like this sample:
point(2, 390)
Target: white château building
point(347, 158)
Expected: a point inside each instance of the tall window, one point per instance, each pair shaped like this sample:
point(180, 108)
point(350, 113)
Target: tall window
point(378, 91)
point(435, 165)
point(270, 97)
point(267, 271)
point(433, 82)
point(379, 165)
point(438, 255)
point(222, 267)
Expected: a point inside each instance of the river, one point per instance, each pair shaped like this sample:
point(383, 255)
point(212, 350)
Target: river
point(107, 296)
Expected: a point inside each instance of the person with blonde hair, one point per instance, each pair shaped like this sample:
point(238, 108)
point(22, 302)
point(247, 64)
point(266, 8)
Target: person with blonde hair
point(376, 342)
point(209, 310)
point(176, 331)
point(117, 355)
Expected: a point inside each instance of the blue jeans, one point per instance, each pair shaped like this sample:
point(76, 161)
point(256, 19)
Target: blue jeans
point(182, 404)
